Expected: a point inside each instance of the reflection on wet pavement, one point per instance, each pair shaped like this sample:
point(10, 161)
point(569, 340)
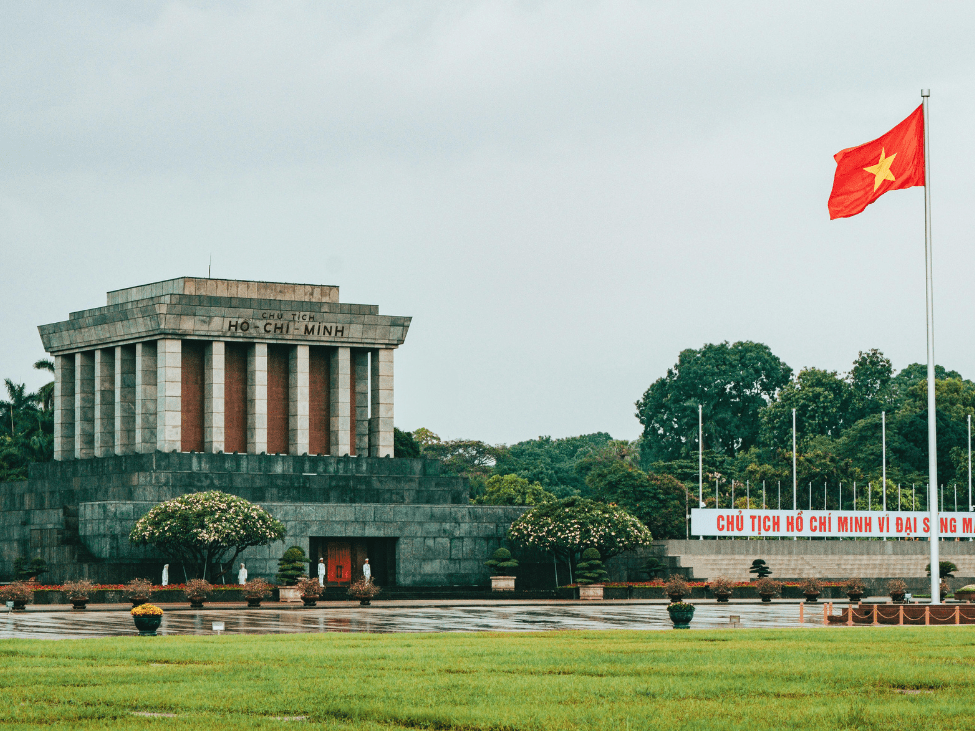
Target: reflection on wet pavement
point(517, 618)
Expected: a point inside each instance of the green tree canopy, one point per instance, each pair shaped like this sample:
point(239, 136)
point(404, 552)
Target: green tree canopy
point(202, 529)
point(822, 400)
point(404, 445)
point(553, 463)
point(658, 501)
point(512, 490)
point(733, 383)
point(569, 526)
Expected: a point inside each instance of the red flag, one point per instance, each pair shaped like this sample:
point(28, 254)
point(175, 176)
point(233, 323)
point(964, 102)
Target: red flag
point(891, 162)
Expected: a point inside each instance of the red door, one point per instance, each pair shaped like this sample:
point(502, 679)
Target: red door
point(339, 562)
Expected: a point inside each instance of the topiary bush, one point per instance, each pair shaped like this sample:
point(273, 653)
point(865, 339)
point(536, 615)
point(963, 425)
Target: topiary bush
point(760, 569)
point(293, 565)
point(501, 563)
point(945, 569)
point(590, 569)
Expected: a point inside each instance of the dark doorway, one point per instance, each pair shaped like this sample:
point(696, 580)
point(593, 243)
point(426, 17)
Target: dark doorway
point(344, 558)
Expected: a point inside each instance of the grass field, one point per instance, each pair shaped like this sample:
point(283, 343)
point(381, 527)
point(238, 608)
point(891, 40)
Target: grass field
point(836, 678)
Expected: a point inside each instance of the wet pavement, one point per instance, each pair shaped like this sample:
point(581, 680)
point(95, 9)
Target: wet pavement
point(531, 617)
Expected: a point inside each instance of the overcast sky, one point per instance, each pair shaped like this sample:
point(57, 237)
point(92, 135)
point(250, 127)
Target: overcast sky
point(562, 195)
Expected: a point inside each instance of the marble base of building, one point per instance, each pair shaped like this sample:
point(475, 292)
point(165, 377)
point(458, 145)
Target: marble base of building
point(414, 524)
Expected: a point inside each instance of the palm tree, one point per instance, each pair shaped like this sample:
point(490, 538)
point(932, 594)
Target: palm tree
point(20, 402)
point(45, 394)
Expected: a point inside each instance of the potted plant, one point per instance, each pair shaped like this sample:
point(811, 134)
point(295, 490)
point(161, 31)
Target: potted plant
point(854, 589)
point(292, 565)
point(78, 592)
point(677, 588)
point(501, 564)
point(197, 590)
point(21, 593)
point(310, 590)
point(255, 590)
point(812, 588)
point(138, 591)
point(966, 593)
point(681, 614)
point(721, 587)
point(767, 588)
point(363, 590)
point(944, 589)
point(147, 618)
point(590, 575)
point(897, 589)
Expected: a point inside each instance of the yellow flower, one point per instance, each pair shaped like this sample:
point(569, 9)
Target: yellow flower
point(146, 610)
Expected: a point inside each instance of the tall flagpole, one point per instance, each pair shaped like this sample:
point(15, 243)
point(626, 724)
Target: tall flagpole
point(933, 536)
point(794, 484)
point(883, 426)
point(700, 459)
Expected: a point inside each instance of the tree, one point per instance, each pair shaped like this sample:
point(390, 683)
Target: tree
point(292, 566)
point(199, 530)
point(45, 394)
point(658, 501)
point(732, 382)
point(822, 401)
point(569, 526)
point(553, 463)
point(404, 445)
point(590, 569)
point(512, 490)
point(870, 384)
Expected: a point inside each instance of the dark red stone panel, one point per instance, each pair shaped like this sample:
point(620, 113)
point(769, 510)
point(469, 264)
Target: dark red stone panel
point(352, 425)
point(191, 396)
point(235, 398)
point(319, 433)
point(278, 398)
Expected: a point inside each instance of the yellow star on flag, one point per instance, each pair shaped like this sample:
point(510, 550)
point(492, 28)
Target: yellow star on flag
point(881, 171)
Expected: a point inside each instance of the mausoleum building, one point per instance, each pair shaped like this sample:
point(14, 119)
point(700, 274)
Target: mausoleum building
point(279, 393)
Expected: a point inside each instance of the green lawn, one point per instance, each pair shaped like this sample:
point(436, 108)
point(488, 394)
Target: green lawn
point(837, 678)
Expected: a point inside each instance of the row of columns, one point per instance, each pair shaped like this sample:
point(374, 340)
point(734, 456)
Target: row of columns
point(129, 399)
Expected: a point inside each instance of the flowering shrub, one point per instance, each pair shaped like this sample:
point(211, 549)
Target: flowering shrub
point(854, 586)
point(677, 586)
point(811, 586)
point(363, 589)
point(257, 589)
point(197, 590)
point(78, 589)
point(19, 591)
point(138, 590)
point(201, 529)
point(721, 585)
point(768, 586)
point(896, 586)
point(310, 587)
point(146, 610)
point(680, 606)
point(569, 526)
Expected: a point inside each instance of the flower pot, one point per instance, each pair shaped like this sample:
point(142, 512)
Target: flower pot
point(309, 601)
point(364, 602)
point(196, 603)
point(943, 594)
point(502, 583)
point(722, 598)
point(897, 596)
point(855, 597)
point(963, 596)
point(253, 603)
point(147, 626)
point(20, 605)
point(681, 617)
point(79, 602)
point(591, 592)
point(766, 598)
point(812, 598)
point(675, 597)
point(289, 594)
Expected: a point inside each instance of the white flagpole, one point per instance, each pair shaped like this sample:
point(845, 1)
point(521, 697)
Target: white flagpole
point(969, 463)
point(700, 459)
point(883, 423)
point(794, 483)
point(933, 536)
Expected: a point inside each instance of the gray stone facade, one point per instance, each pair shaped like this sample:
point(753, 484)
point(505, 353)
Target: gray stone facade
point(77, 515)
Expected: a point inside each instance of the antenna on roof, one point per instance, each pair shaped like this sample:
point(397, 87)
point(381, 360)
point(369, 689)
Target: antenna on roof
point(210, 266)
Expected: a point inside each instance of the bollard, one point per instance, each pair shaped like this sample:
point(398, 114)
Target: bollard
point(825, 616)
point(849, 615)
point(927, 615)
point(900, 615)
point(801, 612)
point(875, 622)
point(957, 615)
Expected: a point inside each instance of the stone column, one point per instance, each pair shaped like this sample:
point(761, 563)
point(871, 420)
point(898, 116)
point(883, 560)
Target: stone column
point(145, 396)
point(213, 397)
point(339, 402)
point(169, 389)
point(381, 423)
point(104, 402)
point(84, 404)
point(360, 362)
point(64, 407)
point(298, 396)
point(124, 399)
point(257, 398)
